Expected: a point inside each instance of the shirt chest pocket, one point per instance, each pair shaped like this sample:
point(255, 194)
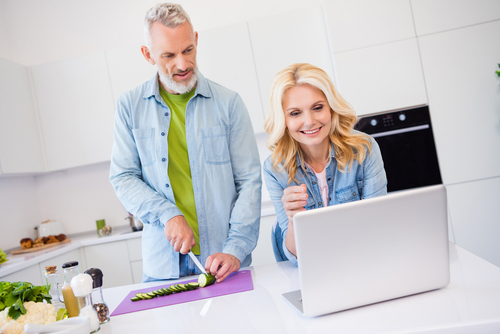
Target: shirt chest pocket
point(144, 141)
point(215, 146)
point(349, 194)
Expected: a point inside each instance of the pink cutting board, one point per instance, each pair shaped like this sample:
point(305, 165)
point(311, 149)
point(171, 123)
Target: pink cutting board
point(236, 282)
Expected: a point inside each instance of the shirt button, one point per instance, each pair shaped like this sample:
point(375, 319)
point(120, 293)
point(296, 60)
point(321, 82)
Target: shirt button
point(167, 185)
point(329, 178)
point(163, 133)
point(166, 114)
point(329, 198)
point(354, 194)
point(319, 203)
point(314, 182)
point(163, 159)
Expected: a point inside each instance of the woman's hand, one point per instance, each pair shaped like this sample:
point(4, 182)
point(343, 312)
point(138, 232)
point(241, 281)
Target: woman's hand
point(294, 200)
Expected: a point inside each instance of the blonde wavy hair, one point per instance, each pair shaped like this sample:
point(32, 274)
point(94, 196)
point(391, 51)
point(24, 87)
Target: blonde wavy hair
point(348, 146)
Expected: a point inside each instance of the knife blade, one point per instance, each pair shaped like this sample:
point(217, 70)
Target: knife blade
point(195, 260)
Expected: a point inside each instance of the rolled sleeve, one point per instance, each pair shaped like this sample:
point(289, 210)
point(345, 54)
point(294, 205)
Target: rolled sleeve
point(375, 179)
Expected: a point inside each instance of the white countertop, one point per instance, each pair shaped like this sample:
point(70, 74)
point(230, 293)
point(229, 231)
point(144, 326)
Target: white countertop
point(22, 261)
point(469, 304)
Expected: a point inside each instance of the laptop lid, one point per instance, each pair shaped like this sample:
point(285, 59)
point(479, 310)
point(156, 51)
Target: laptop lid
point(372, 250)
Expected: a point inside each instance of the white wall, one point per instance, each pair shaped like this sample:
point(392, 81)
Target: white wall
point(19, 210)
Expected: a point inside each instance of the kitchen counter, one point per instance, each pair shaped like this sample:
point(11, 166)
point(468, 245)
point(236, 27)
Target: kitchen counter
point(22, 261)
point(469, 304)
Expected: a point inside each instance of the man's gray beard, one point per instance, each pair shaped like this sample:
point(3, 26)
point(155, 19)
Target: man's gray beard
point(175, 86)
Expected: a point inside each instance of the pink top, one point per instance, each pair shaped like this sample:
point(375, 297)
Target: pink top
point(323, 185)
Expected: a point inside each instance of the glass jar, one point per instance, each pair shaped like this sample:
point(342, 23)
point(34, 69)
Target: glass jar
point(51, 283)
point(100, 306)
point(70, 270)
point(82, 288)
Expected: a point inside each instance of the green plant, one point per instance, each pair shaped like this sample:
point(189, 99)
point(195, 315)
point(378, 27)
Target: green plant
point(498, 72)
point(13, 295)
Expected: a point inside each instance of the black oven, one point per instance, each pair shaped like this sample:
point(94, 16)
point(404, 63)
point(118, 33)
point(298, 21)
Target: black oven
point(407, 144)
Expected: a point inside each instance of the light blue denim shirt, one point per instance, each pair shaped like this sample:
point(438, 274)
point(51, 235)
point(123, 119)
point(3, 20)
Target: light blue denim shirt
point(360, 182)
point(225, 169)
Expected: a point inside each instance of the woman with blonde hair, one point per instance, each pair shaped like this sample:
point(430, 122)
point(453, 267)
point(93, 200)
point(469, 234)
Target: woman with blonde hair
point(317, 158)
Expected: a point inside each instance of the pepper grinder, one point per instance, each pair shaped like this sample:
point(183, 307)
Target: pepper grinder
point(100, 305)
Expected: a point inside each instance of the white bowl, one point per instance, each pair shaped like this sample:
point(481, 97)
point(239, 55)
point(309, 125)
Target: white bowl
point(75, 325)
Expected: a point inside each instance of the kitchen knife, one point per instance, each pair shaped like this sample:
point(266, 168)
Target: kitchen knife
point(195, 260)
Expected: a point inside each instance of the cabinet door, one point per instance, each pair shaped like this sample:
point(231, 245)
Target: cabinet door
point(382, 77)
point(359, 23)
point(112, 258)
point(282, 40)
point(127, 69)
point(31, 274)
point(474, 213)
point(134, 249)
point(431, 16)
point(136, 271)
point(20, 145)
point(464, 100)
point(74, 255)
point(76, 110)
point(225, 57)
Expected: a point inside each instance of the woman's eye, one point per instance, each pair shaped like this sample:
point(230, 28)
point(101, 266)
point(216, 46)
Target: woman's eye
point(294, 113)
point(318, 108)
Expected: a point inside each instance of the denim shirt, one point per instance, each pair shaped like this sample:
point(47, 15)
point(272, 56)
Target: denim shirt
point(225, 169)
point(360, 182)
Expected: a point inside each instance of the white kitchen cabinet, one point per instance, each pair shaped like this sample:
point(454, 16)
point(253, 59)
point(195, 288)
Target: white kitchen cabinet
point(464, 100)
point(20, 146)
point(127, 69)
point(382, 77)
point(76, 109)
point(225, 57)
point(433, 16)
point(360, 23)
point(31, 274)
point(474, 213)
point(112, 258)
point(281, 40)
point(74, 255)
point(136, 267)
point(134, 247)
point(263, 253)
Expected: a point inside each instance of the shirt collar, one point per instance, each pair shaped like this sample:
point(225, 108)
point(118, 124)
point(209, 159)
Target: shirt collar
point(153, 88)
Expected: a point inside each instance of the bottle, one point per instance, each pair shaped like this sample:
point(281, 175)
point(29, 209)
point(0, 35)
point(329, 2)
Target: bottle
point(70, 270)
point(82, 288)
point(51, 282)
point(100, 306)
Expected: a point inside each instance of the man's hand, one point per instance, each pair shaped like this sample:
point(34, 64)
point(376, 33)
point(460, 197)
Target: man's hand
point(294, 200)
point(221, 264)
point(179, 234)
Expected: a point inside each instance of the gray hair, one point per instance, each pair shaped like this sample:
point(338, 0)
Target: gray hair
point(169, 14)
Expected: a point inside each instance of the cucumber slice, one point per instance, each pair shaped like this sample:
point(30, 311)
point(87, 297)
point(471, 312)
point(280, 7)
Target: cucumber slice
point(138, 295)
point(134, 299)
point(206, 280)
point(146, 296)
point(165, 291)
point(193, 285)
point(151, 294)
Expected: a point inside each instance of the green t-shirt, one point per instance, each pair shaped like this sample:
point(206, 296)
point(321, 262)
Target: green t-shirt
point(179, 171)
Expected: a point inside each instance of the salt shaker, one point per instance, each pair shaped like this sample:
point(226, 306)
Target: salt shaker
point(100, 305)
point(82, 287)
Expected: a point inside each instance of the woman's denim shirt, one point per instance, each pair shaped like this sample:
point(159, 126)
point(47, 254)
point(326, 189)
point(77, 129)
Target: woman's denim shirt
point(360, 182)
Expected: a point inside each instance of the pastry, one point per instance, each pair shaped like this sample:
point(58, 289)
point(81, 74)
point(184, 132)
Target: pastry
point(51, 239)
point(61, 237)
point(26, 243)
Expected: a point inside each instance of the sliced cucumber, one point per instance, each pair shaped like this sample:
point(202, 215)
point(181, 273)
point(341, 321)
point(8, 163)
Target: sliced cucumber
point(135, 299)
point(206, 280)
point(151, 294)
point(193, 285)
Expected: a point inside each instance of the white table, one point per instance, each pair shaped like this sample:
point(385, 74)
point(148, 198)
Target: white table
point(469, 304)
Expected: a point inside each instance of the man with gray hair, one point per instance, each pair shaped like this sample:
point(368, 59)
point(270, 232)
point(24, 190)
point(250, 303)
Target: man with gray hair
point(185, 160)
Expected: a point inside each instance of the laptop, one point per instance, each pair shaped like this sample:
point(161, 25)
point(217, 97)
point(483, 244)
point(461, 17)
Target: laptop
point(373, 250)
